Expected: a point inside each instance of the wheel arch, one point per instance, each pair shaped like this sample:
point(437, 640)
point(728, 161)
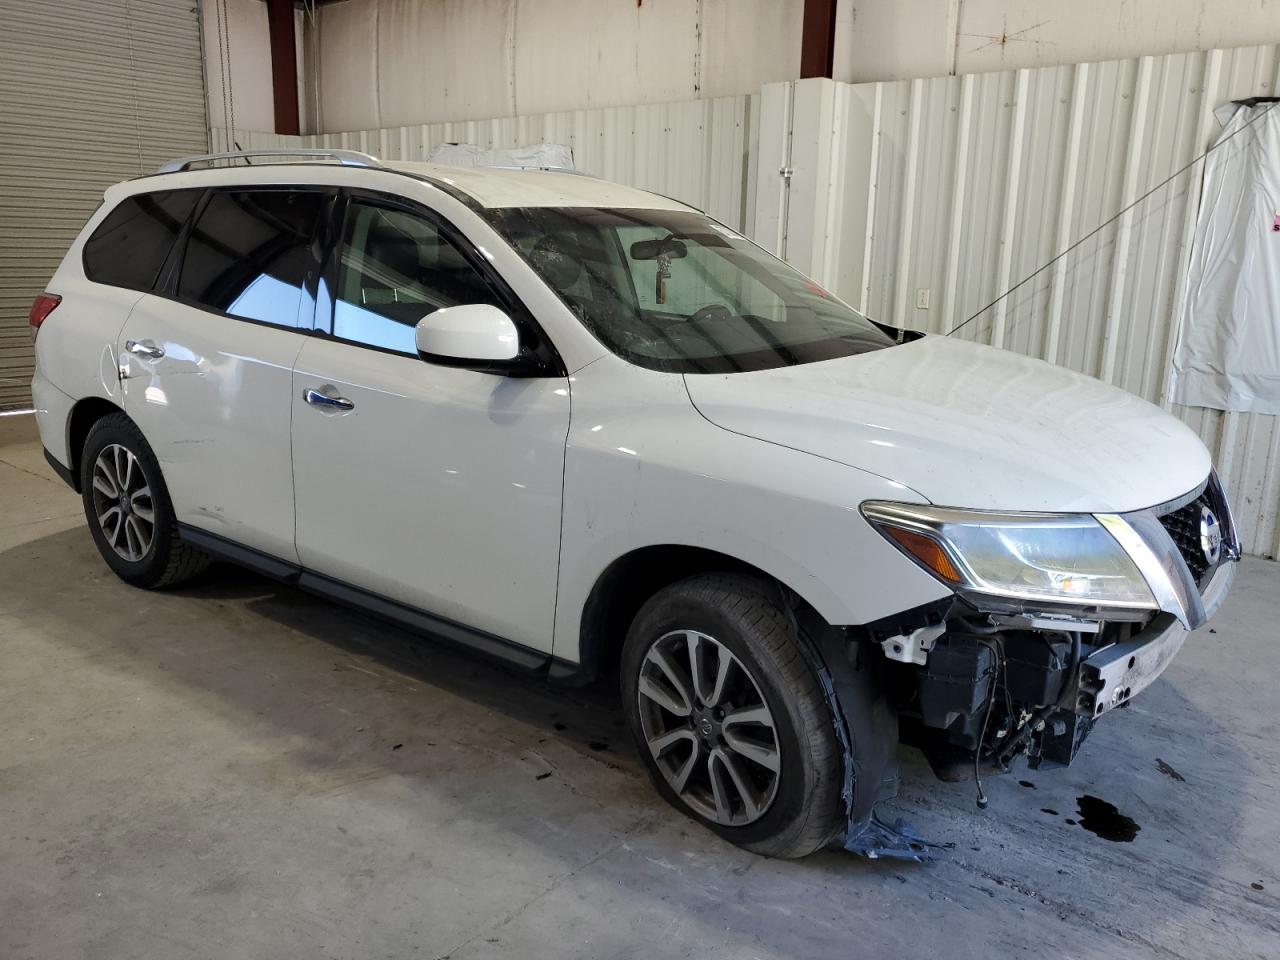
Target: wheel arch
point(84, 414)
point(624, 585)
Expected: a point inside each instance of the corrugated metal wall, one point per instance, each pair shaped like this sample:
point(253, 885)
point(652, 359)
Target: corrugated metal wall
point(91, 92)
point(959, 187)
point(956, 189)
point(699, 151)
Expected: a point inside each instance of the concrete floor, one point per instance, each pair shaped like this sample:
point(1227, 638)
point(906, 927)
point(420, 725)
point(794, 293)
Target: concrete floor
point(235, 769)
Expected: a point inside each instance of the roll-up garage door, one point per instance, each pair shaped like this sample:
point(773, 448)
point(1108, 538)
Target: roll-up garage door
point(91, 92)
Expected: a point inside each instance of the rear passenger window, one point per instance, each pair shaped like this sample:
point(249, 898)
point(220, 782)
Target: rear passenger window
point(249, 254)
point(130, 245)
point(395, 269)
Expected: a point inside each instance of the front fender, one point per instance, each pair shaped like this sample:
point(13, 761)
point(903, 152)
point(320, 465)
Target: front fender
point(643, 468)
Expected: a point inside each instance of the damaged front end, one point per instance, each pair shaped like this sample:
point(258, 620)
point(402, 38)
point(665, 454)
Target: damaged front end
point(1054, 621)
point(990, 688)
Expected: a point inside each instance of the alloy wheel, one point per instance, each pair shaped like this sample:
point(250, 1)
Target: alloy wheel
point(122, 502)
point(708, 727)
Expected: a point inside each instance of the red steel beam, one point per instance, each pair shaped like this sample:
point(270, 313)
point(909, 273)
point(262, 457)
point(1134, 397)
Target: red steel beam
point(284, 66)
point(818, 38)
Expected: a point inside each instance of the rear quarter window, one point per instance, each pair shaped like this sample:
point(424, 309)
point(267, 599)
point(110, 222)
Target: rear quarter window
point(129, 247)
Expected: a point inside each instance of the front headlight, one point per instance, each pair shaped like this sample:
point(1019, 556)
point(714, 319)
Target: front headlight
point(1060, 558)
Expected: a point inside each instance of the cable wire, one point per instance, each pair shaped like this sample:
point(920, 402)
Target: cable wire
point(997, 653)
point(231, 87)
point(133, 80)
point(222, 67)
point(1096, 230)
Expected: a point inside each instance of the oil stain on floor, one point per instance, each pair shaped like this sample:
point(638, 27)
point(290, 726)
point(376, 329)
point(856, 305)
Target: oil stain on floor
point(1102, 818)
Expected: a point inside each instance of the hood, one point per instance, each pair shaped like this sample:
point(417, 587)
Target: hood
point(966, 425)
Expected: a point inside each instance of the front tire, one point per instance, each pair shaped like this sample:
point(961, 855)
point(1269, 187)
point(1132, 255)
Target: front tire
point(128, 508)
point(729, 715)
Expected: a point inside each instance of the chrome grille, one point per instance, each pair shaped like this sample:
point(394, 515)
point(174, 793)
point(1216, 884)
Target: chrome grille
point(1183, 527)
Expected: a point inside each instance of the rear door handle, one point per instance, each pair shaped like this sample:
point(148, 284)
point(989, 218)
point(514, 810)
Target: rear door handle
point(144, 348)
point(318, 398)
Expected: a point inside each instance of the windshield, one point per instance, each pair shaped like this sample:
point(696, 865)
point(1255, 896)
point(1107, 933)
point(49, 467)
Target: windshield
point(673, 290)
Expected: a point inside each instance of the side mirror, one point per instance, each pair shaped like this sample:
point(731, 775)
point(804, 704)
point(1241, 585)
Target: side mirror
point(470, 335)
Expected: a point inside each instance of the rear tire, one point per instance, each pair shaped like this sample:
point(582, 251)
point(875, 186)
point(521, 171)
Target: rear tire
point(128, 508)
point(778, 765)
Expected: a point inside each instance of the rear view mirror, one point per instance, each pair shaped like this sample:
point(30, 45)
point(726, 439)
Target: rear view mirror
point(473, 334)
point(653, 249)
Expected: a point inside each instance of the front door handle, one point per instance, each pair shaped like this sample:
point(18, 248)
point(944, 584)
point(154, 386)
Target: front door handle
point(318, 398)
point(144, 348)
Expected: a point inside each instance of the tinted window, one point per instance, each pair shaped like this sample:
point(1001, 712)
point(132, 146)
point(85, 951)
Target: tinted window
point(130, 245)
point(249, 253)
point(395, 269)
point(674, 290)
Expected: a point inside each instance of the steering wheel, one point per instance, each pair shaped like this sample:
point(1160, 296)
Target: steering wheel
point(712, 311)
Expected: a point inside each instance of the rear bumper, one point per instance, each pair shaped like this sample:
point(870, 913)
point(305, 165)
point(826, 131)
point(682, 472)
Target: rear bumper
point(63, 471)
point(53, 412)
point(1114, 675)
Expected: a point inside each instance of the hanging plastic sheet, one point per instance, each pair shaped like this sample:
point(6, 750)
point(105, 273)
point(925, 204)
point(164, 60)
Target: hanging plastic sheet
point(1228, 353)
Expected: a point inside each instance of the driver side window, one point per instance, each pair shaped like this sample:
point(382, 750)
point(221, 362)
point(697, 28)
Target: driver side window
point(395, 268)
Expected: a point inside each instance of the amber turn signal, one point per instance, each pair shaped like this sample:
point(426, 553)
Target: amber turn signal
point(928, 551)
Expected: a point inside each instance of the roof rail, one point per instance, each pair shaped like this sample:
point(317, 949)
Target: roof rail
point(347, 158)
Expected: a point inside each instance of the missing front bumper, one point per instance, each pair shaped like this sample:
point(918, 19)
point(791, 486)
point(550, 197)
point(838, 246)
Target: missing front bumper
point(996, 693)
point(1116, 674)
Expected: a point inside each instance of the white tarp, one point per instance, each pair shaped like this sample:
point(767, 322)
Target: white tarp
point(538, 155)
point(1228, 353)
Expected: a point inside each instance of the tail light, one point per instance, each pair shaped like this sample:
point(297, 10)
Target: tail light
point(44, 305)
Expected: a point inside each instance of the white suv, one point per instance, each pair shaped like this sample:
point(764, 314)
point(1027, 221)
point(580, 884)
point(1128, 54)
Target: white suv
point(590, 430)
